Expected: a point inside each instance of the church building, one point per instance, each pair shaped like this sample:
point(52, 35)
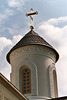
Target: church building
point(33, 74)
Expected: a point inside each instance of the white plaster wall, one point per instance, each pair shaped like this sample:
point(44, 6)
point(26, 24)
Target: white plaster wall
point(38, 58)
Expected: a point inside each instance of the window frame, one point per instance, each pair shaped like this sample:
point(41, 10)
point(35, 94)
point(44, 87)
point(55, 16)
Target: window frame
point(26, 81)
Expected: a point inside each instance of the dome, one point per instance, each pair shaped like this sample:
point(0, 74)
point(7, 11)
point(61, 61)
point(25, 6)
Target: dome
point(32, 38)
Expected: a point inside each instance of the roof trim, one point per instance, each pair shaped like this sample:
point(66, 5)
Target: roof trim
point(12, 88)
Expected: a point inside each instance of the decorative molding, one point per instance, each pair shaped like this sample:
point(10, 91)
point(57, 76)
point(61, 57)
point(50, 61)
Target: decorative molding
point(33, 50)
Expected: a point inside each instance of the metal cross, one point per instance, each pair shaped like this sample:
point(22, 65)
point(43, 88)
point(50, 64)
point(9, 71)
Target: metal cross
point(31, 17)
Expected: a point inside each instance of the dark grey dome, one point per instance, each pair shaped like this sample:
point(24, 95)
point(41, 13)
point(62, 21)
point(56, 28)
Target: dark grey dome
point(32, 38)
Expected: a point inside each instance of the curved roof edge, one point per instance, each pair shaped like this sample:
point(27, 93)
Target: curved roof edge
point(32, 38)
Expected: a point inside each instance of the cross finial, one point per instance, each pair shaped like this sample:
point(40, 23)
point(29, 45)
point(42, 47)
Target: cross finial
point(31, 17)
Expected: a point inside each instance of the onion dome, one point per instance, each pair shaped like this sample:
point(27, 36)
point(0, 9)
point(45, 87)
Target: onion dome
point(32, 38)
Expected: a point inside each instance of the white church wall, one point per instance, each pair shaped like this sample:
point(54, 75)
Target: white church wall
point(38, 58)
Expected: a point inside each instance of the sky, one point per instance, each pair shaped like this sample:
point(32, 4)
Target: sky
point(50, 23)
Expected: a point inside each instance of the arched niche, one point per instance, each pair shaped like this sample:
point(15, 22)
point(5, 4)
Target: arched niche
point(53, 81)
point(34, 76)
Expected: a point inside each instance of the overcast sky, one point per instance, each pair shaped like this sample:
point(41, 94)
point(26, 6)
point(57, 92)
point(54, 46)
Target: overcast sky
point(50, 23)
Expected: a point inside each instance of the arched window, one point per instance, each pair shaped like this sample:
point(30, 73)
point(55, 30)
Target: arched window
point(26, 86)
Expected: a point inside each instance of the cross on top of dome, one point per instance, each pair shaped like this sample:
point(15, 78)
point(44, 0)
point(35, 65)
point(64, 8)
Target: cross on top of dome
point(31, 17)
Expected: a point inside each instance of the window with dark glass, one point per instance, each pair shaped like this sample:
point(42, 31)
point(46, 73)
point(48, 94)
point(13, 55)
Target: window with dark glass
point(26, 87)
